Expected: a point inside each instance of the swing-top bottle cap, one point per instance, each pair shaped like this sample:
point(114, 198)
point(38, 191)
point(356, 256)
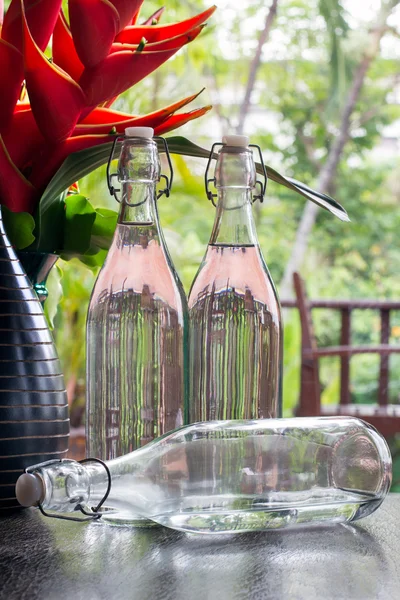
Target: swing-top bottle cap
point(29, 489)
point(140, 132)
point(239, 141)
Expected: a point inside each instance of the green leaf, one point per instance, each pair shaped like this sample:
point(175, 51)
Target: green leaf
point(49, 230)
point(55, 290)
point(75, 166)
point(88, 231)
point(79, 219)
point(104, 227)
point(81, 163)
point(180, 145)
point(94, 261)
point(19, 227)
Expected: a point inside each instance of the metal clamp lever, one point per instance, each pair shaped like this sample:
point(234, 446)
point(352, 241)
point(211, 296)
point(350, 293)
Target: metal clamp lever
point(90, 516)
point(111, 176)
point(262, 184)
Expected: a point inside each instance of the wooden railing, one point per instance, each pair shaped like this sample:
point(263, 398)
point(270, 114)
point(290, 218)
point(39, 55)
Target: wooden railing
point(384, 349)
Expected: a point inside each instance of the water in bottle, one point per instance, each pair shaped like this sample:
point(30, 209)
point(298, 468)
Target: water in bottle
point(234, 312)
point(137, 319)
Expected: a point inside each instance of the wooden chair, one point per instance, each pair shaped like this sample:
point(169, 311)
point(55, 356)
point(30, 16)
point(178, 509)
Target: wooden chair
point(384, 416)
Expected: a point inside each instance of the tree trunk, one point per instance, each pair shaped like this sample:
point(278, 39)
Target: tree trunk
point(329, 169)
point(255, 63)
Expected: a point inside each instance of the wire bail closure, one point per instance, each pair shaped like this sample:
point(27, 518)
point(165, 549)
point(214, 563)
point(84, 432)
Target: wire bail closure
point(111, 176)
point(90, 516)
point(262, 185)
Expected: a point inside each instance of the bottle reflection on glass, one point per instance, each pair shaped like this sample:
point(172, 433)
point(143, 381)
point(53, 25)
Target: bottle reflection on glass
point(235, 320)
point(136, 326)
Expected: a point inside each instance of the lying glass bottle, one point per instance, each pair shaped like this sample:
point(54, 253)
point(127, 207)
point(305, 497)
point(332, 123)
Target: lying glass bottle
point(229, 476)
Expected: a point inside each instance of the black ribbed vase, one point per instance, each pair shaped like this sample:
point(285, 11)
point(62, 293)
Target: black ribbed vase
point(34, 423)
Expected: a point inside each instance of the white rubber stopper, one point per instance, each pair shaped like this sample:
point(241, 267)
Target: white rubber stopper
point(29, 489)
point(140, 132)
point(240, 141)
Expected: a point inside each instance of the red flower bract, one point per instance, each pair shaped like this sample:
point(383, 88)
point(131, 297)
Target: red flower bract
point(102, 53)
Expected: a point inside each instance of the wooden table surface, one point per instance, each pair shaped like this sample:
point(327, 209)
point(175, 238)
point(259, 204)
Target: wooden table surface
point(51, 559)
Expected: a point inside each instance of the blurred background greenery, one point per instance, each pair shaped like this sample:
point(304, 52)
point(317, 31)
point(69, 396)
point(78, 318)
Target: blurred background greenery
point(316, 83)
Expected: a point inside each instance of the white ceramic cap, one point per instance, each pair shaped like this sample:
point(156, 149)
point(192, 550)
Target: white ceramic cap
point(29, 489)
point(140, 132)
point(240, 141)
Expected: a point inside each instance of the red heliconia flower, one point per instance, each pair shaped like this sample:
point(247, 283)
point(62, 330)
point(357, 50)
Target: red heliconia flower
point(50, 109)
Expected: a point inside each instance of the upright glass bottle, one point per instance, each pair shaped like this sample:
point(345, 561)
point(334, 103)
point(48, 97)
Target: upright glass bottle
point(234, 311)
point(137, 318)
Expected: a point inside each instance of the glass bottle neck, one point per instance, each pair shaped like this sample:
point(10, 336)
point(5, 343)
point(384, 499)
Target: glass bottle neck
point(138, 173)
point(138, 218)
point(138, 204)
point(234, 223)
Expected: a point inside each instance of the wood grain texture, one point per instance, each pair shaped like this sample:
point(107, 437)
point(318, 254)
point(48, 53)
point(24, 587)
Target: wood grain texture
point(382, 415)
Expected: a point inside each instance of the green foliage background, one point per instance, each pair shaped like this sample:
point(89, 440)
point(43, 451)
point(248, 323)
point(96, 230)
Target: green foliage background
point(296, 104)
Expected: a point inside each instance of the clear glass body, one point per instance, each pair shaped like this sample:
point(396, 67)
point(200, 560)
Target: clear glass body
point(234, 313)
point(234, 476)
point(136, 324)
